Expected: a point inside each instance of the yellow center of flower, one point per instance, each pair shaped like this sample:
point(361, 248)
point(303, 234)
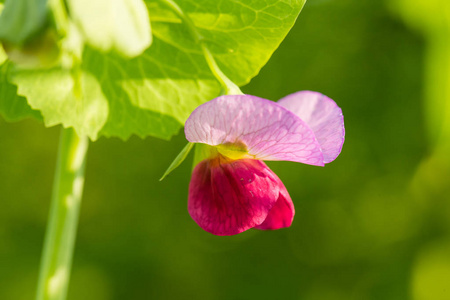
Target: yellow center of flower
point(234, 151)
point(222, 153)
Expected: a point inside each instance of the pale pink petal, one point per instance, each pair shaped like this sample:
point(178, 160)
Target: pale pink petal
point(269, 131)
point(228, 197)
point(282, 213)
point(323, 116)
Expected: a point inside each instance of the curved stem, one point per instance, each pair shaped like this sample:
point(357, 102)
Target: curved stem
point(59, 243)
point(229, 86)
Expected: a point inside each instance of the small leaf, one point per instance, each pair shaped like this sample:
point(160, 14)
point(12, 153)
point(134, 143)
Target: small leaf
point(120, 25)
point(178, 160)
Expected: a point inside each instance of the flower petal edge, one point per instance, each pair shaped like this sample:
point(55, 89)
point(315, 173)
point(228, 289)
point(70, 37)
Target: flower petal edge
point(269, 130)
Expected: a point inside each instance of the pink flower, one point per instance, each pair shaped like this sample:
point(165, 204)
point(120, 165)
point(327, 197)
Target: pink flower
point(232, 189)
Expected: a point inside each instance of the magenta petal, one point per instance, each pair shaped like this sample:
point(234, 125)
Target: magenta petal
point(268, 130)
point(229, 197)
point(323, 116)
point(281, 215)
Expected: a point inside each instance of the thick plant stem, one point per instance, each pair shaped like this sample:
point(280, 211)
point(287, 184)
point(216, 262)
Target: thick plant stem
point(59, 243)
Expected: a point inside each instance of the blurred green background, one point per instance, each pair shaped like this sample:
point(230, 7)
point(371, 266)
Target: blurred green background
point(374, 224)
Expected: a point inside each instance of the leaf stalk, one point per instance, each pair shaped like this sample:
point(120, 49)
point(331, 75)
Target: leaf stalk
point(229, 86)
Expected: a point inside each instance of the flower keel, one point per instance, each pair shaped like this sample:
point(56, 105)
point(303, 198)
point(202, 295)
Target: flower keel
point(282, 213)
point(227, 197)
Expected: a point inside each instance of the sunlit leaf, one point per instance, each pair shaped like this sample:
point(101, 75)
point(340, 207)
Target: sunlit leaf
point(74, 99)
point(242, 35)
point(154, 93)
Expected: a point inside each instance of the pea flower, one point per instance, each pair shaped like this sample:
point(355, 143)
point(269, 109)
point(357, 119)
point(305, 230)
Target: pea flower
point(232, 189)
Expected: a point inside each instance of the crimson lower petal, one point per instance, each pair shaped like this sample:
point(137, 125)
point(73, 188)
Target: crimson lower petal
point(281, 215)
point(227, 197)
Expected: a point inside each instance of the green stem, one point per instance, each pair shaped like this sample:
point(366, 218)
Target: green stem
point(229, 86)
point(60, 17)
point(59, 243)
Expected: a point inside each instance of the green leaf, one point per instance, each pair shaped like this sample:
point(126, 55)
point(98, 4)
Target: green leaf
point(178, 160)
point(121, 25)
point(12, 106)
point(74, 99)
point(150, 84)
point(22, 19)
point(242, 35)
point(172, 76)
point(154, 93)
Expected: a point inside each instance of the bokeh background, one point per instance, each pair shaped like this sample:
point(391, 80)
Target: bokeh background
point(374, 224)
